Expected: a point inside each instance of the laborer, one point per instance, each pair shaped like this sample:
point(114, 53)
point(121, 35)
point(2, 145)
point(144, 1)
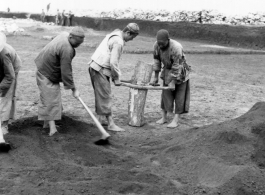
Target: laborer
point(58, 18)
point(104, 66)
point(10, 64)
point(63, 18)
point(54, 66)
point(69, 18)
point(169, 56)
point(42, 15)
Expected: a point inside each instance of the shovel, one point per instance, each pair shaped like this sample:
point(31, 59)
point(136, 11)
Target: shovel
point(4, 147)
point(104, 139)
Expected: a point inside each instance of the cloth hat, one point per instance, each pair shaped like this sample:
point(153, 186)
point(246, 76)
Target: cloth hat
point(133, 27)
point(162, 35)
point(2, 41)
point(78, 31)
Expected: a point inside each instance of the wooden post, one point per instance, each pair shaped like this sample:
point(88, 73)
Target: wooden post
point(142, 76)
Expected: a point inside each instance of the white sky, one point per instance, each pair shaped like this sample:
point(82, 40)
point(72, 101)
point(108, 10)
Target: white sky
point(229, 7)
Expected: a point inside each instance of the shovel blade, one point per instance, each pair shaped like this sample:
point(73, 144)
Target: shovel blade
point(102, 142)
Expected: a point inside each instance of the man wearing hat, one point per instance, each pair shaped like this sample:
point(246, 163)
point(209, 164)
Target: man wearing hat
point(54, 65)
point(104, 65)
point(10, 64)
point(175, 74)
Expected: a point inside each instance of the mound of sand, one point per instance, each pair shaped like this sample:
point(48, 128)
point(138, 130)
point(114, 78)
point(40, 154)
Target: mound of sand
point(226, 158)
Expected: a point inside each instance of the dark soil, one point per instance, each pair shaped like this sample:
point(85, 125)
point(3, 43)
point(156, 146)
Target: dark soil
point(226, 158)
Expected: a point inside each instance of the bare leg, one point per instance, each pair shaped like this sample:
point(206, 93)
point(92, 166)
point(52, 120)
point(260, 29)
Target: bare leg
point(5, 127)
point(112, 126)
point(163, 119)
point(1, 134)
point(174, 122)
point(101, 119)
point(53, 129)
point(46, 124)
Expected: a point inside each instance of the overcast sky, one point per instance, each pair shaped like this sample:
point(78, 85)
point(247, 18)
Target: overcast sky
point(230, 7)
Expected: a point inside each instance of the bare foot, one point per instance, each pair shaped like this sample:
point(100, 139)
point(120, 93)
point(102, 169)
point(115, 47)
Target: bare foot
point(173, 124)
point(52, 131)
point(114, 128)
point(53, 128)
point(5, 130)
point(102, 121)
point(45, 125)
point(161, 121)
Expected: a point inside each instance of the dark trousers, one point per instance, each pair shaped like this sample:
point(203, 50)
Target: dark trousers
point(63, 21)
point(102, 91)
point(42, 18)
point(180, 96)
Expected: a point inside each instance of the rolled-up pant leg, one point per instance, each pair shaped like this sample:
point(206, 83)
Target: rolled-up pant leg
point(50, 105)
point(102, 90)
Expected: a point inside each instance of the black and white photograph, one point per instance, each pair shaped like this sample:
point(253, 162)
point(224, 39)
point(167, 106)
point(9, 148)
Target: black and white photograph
point(141, 97)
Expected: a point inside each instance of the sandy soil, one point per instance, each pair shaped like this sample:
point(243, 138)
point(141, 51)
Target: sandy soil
point(219, 147)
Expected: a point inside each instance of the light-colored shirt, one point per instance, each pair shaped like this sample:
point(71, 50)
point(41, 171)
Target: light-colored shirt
point(116, 48)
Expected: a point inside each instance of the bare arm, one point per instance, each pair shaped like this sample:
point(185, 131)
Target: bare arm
point(156, 65)
point(115, 55)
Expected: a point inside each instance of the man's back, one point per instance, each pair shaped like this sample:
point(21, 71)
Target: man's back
point(8, 54)
point(56, 54)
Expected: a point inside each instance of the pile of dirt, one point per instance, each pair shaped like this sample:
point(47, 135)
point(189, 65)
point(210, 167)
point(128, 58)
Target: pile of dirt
point(226, 158)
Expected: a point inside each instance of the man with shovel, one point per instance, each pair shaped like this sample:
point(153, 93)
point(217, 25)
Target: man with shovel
point(10, 64)
point(104, 65)
point(175, 74)
point(54, 65)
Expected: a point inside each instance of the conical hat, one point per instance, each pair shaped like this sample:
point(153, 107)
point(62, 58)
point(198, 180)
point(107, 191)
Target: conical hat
point(2, 41)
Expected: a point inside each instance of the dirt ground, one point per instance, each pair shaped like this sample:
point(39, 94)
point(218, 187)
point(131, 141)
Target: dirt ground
point(218, 148)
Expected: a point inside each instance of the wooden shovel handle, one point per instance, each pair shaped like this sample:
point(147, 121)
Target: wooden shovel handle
point(144, 87)
point(105, 135)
